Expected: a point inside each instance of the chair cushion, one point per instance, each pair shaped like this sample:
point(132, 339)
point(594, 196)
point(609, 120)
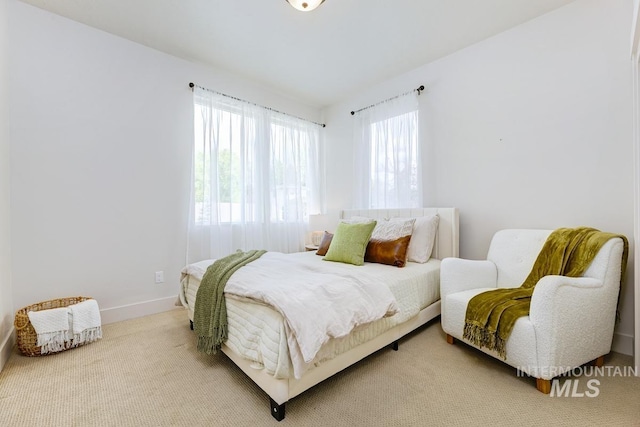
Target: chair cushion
point(514, 252)
point(454, 309)
point(521, 345)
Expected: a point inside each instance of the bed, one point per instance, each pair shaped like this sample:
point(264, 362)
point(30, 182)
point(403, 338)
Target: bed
point(257, 341)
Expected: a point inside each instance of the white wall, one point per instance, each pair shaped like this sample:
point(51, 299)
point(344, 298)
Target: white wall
point(530, 128)
point(6, 299)
point(102, 131)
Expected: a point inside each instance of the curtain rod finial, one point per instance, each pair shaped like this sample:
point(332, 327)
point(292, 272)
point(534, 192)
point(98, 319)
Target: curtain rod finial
point(191, 85)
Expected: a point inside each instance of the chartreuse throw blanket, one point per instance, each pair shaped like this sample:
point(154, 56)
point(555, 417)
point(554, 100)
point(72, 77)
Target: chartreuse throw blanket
point(491, 315)
point(210, 311)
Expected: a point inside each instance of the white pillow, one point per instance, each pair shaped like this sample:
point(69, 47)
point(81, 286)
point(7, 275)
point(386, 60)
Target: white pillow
point(392, 230)
point(358, 220)
point(422, 238)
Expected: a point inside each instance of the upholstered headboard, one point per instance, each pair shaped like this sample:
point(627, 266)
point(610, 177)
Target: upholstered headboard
point(446, 244)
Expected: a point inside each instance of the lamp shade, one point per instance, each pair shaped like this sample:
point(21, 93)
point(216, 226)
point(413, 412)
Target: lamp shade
point(320, 223)
point(305, 5)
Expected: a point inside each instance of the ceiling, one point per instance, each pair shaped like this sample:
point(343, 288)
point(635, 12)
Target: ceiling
point(318, 57)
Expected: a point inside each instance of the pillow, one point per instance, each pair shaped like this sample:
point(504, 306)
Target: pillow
point(423, 237)
point(324, 244)
point(392, 230)
point(390, 252)
point(358, 220)
point(349, 243)
point(326, 237)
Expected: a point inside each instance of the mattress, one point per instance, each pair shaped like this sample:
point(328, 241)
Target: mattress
point(257, 332)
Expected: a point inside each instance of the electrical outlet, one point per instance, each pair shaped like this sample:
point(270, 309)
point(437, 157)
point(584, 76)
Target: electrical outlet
point(159, 276)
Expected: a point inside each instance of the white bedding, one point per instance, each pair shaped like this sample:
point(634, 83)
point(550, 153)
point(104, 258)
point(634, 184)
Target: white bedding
point(317, 302)
point(259, 333)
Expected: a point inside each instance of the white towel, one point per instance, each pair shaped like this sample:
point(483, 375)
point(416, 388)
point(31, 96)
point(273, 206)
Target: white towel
point(52, 328)
point(86, 322)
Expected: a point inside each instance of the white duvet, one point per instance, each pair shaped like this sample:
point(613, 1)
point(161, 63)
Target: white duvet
point(318, 301)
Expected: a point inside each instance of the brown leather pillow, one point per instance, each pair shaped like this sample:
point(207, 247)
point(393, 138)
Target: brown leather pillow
point(390, 252)
point(324, 244)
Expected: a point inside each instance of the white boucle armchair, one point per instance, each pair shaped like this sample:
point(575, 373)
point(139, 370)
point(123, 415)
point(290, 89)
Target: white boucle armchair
point(571, 320)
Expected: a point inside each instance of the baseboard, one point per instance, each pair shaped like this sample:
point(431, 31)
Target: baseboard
point(6, 347)
point(622, 343)
point(139, 309)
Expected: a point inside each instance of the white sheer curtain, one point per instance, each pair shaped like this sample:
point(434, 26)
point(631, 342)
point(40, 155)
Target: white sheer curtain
point(256, 178)
point(387, 155)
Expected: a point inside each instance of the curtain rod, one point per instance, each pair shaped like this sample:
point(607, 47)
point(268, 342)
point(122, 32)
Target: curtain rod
point(192, 85)
point(420, 89)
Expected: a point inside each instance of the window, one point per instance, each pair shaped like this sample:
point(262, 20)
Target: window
point(388, 173)
point(222, 168)
point(394, 162)
point(290, 164)
point(256, 174)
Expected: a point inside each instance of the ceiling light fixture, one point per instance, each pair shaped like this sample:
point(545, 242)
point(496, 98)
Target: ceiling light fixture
point(305, 5)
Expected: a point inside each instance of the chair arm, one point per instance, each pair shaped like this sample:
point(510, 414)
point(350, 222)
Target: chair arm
point(573, 318)
point(458, 275)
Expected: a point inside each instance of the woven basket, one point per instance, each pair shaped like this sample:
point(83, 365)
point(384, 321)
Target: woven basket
point(26, 335)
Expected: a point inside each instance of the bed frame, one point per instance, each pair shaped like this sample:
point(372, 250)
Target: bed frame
point(281, 390)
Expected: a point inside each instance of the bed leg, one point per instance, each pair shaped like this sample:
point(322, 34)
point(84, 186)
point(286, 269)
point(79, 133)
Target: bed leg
point(191, 324)
point(277, 411)
point(394, 346)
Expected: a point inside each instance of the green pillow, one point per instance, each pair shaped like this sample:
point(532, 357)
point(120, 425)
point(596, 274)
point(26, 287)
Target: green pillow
point(349, 243)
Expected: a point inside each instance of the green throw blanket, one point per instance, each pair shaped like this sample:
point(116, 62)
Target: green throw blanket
point(210, 311)
point(491, 315)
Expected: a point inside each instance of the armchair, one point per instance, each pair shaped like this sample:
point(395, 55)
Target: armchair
point(571, 319)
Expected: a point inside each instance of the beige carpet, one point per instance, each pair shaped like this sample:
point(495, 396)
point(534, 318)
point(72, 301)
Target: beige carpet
point(146, 372)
